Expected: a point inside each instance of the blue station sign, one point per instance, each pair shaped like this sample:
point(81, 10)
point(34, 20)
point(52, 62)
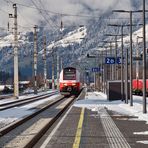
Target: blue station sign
point(118, 60)
point(96, 69)
point(109, 60)
point(113, 60)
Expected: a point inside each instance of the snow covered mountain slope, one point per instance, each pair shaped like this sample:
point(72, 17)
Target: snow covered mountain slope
point(73, 37)
point(72, 44)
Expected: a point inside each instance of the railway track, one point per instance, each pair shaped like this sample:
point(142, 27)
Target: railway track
point(2, 97)
point(8, 96)
point(21, 102)
point(27, 131)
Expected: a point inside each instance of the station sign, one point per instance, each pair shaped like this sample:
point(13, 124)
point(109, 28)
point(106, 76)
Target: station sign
point(112, 60)
point(109, 60)
point(118, 60)
point(96, 69)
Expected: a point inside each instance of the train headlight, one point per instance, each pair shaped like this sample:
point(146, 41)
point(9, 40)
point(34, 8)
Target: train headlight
point(65, 84)
point(73, 84)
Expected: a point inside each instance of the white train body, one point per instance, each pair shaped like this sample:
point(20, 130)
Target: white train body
point(69, 81)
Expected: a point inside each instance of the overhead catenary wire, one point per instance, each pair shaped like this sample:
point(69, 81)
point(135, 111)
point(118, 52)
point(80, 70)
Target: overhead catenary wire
point(68, 14)
point(43, 15)
point(27, 27)
point(41, 10)
point(11, 2)
point(64, 14)
point(3, 11)
point(47, 13)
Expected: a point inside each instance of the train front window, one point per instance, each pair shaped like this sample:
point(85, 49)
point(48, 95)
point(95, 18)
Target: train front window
point(69, 74)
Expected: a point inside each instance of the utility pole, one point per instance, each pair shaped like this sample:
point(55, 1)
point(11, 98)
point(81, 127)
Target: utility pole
point(137, 62)
point(61, 64)
point(53, 70)
point(144, 61)
point(102, 71)
point(122, 83)
point(116, 66)
point(35, 59)
point(131, 52)
point(131, 63)
point(105, 73)
point(45, 64)
point(58, 70)
point(126, 77)
point(15, 52)
point(111, 67)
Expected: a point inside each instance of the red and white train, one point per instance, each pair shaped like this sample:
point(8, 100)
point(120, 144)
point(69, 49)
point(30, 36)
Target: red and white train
point(70, 81)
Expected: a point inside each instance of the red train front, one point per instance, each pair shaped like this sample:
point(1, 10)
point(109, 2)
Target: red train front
point(69, 81)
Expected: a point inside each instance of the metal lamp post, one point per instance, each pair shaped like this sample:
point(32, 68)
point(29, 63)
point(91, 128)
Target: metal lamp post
point(122, 84)
point(15, 51)
point(144, 55)
point(35, 59)
point(144, 61)
point(137, 62)
point(131, 53)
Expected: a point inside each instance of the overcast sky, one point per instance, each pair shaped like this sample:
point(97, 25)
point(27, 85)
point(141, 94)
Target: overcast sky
point(28, 17)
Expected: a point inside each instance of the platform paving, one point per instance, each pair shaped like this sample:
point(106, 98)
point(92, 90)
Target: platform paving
point(129, 125)
point(100, 129)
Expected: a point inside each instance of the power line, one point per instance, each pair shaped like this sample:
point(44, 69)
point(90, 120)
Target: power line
point(42, 14)
point(3, 11)
point(63, 14)
point(46, 12)
point(9, 1)
point(24, 17)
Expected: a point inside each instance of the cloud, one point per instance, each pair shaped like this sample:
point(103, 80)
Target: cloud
point(29, 17)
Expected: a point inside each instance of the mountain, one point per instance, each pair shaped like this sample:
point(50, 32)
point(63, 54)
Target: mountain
point(72, 44)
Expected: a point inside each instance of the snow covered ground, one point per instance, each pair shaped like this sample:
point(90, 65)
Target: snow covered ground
point(13, 114)
point(92, 101)
point(25, 96)
point(95, 100)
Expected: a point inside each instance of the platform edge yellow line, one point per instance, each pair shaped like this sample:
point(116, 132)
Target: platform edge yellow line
point(79, 130)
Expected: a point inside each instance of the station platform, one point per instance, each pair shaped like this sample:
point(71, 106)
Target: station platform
point(86, 126)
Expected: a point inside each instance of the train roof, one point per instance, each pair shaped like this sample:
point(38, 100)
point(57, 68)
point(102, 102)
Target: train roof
point(69, 68)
